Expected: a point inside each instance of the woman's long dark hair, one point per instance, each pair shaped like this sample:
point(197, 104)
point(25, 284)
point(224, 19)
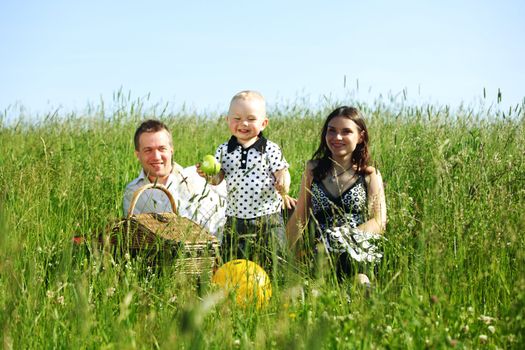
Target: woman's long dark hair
point(360, 156)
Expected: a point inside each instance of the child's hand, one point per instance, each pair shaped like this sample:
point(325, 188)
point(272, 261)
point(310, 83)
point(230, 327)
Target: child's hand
point(288, 202)
point(199, 171)
point(282, 181)
point(281, 187)
point(214, 180)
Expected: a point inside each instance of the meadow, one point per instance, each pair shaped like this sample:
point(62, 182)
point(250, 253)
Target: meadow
point(453, 272)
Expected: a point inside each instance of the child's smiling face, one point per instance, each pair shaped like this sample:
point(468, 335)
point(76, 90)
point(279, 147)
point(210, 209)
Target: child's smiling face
point(246, 119)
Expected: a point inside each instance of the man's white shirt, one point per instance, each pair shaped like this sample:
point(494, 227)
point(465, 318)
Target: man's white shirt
point(195, 199)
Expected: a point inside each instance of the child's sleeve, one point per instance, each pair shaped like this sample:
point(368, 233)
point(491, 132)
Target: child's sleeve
point(219, 156)
point(276, 158)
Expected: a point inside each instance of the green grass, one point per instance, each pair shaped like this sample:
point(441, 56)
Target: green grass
point(455, 186)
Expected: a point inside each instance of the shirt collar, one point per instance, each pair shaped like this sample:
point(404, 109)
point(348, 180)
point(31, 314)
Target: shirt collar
point(143, 177)
point(259, 145)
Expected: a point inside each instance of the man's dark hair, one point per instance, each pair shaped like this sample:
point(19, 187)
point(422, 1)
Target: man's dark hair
point(150, 125)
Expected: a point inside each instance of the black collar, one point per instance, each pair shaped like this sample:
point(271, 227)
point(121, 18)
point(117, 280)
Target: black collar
point(259, 145)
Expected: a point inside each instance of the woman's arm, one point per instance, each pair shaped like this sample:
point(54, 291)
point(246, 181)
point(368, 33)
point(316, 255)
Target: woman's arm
point(299, 218)
point(376, 203)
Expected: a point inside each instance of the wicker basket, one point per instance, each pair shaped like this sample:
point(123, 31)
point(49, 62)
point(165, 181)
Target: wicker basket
point(189, 246)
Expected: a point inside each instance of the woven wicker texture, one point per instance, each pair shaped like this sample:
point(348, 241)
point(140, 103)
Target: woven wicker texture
point(195, 247)
point(143, 230)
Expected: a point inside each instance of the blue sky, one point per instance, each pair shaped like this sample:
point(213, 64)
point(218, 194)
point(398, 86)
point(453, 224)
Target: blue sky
point(67, 54)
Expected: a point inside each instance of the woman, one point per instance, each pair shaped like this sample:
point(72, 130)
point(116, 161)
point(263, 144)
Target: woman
point(342, 194)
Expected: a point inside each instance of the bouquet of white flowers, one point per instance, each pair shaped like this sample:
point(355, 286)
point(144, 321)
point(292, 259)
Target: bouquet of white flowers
point(360, 245)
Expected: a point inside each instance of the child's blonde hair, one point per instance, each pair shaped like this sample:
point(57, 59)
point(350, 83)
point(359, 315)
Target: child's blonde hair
point(248, 95)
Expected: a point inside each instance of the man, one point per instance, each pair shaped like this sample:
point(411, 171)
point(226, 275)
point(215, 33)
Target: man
point(195, 200)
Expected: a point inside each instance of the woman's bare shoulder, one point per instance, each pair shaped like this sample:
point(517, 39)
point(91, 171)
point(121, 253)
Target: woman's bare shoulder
point(370, 170)
point(373, 175)
point(309, 170)
point(311, 164)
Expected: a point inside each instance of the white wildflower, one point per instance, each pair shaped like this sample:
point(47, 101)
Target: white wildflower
point(483, 338)
point(486, 319)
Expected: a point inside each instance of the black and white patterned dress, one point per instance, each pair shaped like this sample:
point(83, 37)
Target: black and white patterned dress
point(337, 219)
point(347, 209)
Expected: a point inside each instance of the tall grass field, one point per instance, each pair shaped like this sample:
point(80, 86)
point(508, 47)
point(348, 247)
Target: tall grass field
point(453, 272)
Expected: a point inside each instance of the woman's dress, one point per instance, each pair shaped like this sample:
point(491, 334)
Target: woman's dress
point(337, 219)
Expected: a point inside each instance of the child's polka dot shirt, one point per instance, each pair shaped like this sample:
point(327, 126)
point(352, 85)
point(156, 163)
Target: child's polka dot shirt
point(249, 177)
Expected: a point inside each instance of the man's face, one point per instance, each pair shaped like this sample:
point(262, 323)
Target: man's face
point(155, 152)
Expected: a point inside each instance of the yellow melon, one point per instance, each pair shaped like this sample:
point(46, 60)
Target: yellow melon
point(247, 280)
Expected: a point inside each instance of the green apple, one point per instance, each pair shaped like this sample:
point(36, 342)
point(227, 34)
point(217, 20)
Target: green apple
point(210, 166)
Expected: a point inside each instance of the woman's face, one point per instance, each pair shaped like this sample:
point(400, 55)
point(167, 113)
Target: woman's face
point(342, 137)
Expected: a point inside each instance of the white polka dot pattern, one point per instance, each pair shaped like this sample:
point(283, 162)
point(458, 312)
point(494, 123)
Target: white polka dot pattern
point(250, 184)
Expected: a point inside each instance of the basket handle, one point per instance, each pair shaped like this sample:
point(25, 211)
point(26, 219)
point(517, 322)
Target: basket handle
point(138, 192)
